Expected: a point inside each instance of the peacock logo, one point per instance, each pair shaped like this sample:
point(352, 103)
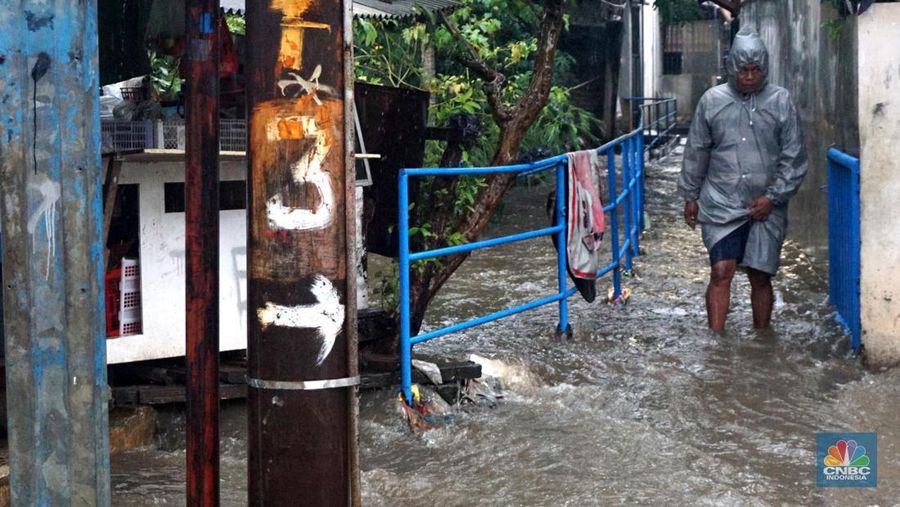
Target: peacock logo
point(846, 453)
point(846, 460)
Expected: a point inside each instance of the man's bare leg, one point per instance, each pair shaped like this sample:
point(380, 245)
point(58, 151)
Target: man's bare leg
point(718, 293)
point(761, 297)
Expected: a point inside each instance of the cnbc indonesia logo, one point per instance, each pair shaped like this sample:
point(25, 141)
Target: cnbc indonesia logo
point(847, 461)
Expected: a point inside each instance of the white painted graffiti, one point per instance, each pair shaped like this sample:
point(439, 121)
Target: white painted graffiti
point(326, 316)
point(50, 192)
point(308, 169)
point(309, 86)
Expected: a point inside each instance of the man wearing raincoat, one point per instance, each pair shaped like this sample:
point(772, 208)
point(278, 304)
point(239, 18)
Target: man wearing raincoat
point(743, 161)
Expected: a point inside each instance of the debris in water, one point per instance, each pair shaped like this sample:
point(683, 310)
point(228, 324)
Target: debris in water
point(621, 300)
point(481, 392)
point(428, 410)
point(431, 370)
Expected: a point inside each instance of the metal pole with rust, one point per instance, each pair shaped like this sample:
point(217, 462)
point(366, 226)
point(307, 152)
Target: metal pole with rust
point(201, 189)
point(53, 269)
point(301, 320)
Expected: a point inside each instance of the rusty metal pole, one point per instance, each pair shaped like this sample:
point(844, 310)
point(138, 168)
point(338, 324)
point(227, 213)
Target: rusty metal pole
point(301, 321)
point(201, 198)
point(52, 253)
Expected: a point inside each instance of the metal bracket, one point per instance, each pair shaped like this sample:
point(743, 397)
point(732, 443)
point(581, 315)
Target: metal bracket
point(307, 385)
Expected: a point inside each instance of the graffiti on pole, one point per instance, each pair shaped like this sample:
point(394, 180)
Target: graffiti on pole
point(300, 130)
point(326, 315)
point(306, 170)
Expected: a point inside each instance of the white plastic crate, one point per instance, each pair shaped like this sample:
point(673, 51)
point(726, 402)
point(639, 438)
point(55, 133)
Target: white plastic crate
point(130, 298)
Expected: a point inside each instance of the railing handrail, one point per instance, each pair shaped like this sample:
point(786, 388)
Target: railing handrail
point(650, 98)
point(630, 197)
point(649, 116)
point(844, 241)
point(843, 159)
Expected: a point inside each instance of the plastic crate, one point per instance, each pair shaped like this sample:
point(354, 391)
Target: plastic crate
point(130, 298)
point(112, 293)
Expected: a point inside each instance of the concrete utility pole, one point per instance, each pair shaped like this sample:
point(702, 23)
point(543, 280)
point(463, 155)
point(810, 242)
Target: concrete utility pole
point(201, 199)
point(301, 302)
point(52, 253)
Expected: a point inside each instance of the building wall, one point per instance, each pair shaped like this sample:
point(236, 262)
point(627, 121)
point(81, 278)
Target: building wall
point(652, 51)
point(699, 43)
point(879, 131)
point(818, 69)
point(650, 72)
point(162, 270)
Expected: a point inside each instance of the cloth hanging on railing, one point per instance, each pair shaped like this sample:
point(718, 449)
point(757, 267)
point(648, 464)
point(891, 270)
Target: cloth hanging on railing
point(585, 221)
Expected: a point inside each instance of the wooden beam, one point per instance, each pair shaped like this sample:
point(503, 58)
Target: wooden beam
point(201, 197)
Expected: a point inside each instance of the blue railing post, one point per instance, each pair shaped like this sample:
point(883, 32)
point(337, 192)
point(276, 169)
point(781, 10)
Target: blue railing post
point(640, 154)
point(562, 250)
point(628, 190)
point(844, 241)
point(630, 198)
point(403, 233)
point(614, 221)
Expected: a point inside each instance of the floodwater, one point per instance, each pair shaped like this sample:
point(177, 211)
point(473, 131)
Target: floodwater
point(643, 406)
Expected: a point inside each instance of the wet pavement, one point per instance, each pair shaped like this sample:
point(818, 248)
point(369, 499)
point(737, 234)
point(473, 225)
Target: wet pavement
point(643, 406)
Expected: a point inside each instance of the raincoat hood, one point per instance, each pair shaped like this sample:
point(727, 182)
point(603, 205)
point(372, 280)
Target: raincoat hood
point(747, 49)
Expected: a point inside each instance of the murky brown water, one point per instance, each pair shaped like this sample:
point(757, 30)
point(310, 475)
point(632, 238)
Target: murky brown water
point(644, 406)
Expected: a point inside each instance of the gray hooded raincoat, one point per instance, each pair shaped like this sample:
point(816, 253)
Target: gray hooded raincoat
point(739, 148)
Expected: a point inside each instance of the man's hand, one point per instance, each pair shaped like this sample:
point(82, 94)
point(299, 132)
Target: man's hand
point(760, 208)
point(691, 209)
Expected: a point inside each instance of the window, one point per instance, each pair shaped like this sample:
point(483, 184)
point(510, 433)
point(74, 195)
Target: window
point(232, 195)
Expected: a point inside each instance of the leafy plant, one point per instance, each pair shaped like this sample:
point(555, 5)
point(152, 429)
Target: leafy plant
point(676, 12)
point(834, 28)
point(237, 24)
point(164, 75)
point(387, 288)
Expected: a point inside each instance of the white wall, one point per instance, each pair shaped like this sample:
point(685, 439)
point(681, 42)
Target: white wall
point(879, 129)
point(652, 51)
point(162, 267)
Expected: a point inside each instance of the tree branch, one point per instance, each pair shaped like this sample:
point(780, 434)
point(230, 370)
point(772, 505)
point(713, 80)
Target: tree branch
point(535, 98)
point(494, 79)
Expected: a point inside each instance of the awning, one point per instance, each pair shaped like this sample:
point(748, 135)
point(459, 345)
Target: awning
point(398, 8)
point(373, 8)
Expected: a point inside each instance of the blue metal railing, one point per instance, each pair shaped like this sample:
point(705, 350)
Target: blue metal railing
point(844, 240)
point(659, 115)
point(628, 200)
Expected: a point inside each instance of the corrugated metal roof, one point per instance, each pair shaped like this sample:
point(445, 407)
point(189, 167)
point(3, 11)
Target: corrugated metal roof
point(398, 8)
point(372, 8)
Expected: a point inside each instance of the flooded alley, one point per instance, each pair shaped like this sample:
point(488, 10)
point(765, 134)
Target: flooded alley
point(643, 406)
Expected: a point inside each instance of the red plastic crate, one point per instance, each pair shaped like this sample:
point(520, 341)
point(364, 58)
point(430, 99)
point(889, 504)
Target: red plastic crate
point(113, 278)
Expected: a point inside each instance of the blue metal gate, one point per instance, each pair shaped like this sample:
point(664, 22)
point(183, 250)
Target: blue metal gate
point(844, 240)
point(624, 241)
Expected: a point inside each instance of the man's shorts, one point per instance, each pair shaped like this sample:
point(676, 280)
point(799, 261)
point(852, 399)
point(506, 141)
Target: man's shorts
point(731, 247)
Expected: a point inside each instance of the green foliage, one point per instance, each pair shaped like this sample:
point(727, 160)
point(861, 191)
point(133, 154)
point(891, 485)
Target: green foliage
point(466, 191)
point(389, 52)
point(503, 33)
point(675, 12)
point(834, 28)
point(236, 24)
point(164, 75)
point(387, 287)
point(562, 126)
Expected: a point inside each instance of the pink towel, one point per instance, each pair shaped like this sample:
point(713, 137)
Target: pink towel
point(586, 221)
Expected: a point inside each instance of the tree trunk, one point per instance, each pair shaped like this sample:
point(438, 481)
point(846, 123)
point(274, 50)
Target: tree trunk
point(514, 122)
